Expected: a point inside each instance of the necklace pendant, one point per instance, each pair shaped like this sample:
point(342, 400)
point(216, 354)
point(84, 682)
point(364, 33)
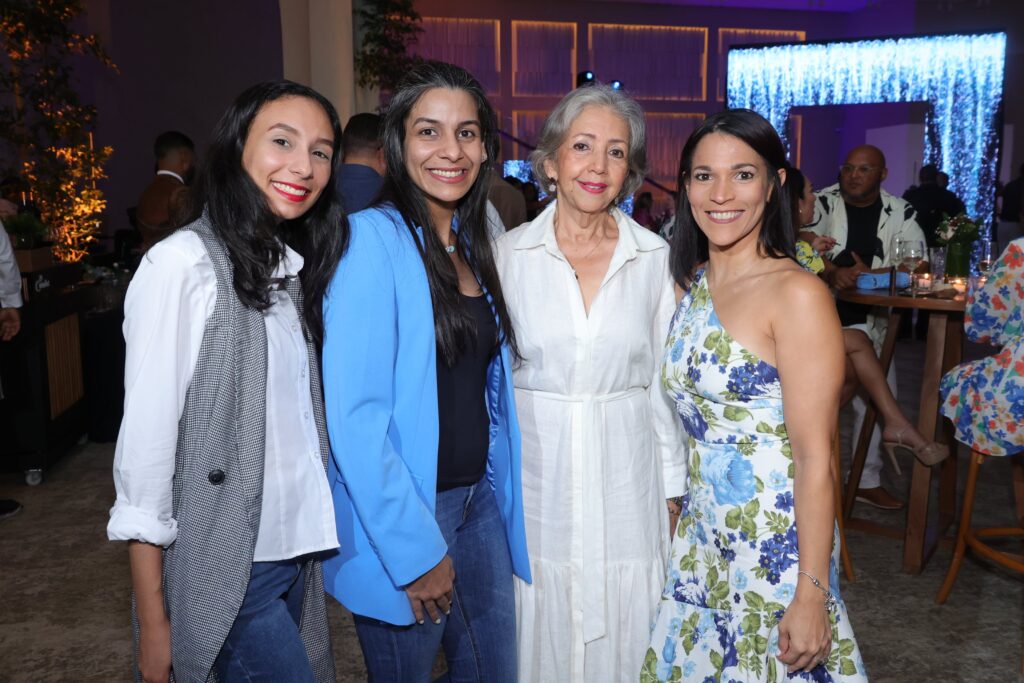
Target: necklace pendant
point(450, 248)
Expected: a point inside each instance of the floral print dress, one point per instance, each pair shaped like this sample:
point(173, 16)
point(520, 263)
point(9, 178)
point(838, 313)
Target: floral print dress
point(985, 398)
point(735, 557)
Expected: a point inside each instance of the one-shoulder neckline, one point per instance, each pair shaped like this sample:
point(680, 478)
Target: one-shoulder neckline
point(702, 282)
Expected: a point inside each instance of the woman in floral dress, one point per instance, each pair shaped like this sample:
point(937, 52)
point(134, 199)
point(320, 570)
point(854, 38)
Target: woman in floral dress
point(985, 398)
point(748, 598)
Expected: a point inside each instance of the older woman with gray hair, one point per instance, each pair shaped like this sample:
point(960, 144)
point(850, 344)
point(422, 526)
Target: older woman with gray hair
point(590, 297)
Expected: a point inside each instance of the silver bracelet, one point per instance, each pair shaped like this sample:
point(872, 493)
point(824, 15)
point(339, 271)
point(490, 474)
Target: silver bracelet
point(830, 600)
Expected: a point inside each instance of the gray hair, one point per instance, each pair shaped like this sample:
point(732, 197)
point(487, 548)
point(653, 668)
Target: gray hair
point(558, 122)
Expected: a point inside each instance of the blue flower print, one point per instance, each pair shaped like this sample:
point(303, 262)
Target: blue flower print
point(739, 579)
point(749, 379)
point(677, 350)
point(731, 476)
point(693, 421)
point(784, 501)
point(785, 592)
point(778, 481)
point(688, 669)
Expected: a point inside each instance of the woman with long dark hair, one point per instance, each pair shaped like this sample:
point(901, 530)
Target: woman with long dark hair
point(220, 463)
point(754, 364)
point(417, 378)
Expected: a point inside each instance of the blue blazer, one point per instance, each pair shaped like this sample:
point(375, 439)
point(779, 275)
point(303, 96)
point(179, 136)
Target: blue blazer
point(380, 391)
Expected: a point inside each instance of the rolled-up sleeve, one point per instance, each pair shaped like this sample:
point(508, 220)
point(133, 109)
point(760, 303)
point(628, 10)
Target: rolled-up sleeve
point(169, 301)
point(669, 436)
point(10, 277)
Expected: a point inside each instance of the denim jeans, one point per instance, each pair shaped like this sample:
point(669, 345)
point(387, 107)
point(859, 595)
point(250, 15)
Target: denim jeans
point(264, 643)
point(479, 634)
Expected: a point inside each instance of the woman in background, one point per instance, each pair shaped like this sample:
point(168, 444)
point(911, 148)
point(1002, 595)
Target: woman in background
point(219, 467)
point(418, 385)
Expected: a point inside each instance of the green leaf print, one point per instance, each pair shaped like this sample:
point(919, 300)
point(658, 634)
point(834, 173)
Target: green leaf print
point(847, 667)
point(791, 471)
point(778, 523)
point(746, 448)
point(677, 675)
point(758, 484)
point(722, 351)
point(749, 527)
point(752, 508)
point(754, 601)
point(764, 428)
point(711, 341)
point(648, 674)
point(773, 673)
point(733, 518)
point(686, 632)
point(716, 659)
point(760, 644)
point(780, 430)
point(735, 414)
point(751, 623)
point(688, 562)
point(846, 647)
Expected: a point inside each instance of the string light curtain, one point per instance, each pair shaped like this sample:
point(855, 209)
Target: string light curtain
point(960, 76)
point(472, 44)
point(728, 37)
point(654, 62)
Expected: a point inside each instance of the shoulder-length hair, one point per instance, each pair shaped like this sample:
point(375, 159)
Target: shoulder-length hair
point(776, 239)
point(252, 234)
point(558, 122)
point(453, 324)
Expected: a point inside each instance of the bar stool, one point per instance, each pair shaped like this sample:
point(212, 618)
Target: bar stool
point(969, 537)
point(837, 497)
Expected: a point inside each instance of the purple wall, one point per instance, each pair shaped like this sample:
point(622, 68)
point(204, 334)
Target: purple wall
point(181, 63)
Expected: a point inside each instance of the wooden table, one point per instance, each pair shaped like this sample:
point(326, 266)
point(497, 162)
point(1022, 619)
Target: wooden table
point(943, 350)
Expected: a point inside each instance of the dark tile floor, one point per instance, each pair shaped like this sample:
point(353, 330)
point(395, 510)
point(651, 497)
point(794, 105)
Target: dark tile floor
point(64, 588)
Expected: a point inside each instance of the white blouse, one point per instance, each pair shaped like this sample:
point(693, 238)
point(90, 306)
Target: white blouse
point(169, 302)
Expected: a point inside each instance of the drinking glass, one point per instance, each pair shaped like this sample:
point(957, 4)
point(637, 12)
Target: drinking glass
point(909, 254)
point(937, 261)
point(986, 257)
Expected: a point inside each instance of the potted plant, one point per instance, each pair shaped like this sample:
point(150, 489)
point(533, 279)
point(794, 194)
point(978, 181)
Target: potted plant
point(28, 235)
point(957, 233)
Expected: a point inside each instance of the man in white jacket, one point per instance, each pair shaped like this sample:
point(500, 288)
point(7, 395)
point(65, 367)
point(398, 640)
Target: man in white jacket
point(865, 221)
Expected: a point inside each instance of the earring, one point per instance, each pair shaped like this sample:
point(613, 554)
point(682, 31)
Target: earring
point(552, 187)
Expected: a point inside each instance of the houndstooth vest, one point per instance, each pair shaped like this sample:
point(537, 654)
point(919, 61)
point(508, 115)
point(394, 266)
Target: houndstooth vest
point(218, 484)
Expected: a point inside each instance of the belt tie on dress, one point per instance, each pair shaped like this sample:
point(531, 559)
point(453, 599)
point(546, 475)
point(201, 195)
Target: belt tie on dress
point(588, 453)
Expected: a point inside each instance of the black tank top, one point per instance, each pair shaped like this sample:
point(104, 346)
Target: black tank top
point(464, 426)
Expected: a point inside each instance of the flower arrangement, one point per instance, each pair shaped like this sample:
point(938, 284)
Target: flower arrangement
point(957, 234)
point(958, 229)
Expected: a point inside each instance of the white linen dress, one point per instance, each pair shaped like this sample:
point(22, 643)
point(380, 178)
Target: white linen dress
point(602, 449)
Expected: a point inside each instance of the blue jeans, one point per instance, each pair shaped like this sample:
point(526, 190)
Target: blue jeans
point(479, 634)
point(264, 643)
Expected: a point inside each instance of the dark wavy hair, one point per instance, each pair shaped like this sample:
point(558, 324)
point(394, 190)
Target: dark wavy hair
point(795, 181)
point(243, 221)
point(776, 239)
point(453, 325)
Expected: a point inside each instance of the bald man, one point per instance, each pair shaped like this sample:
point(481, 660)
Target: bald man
point(865, 221)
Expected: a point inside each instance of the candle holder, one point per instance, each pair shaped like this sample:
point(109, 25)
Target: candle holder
point(922, 283)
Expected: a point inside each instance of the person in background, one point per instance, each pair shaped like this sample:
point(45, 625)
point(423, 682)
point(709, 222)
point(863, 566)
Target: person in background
point(754, 364)
point(361, 174)
point(219, 468)
point(590, 296)
point(865, 221)
point(932, 203)
point(863, 369)
point(984, 399)
point(508, 201)
point(643, 208)
point(418, 384)
point(1011, 212)
point(163, 204)
point(10, 316)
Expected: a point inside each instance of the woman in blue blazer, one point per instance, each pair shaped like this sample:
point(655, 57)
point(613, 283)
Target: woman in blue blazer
point(420, 410)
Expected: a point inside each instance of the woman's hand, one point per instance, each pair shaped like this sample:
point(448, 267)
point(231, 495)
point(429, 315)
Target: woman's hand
point(805, 634)
point(823, 243)
point(155, 651)
point(674, 510)
point(432, 592)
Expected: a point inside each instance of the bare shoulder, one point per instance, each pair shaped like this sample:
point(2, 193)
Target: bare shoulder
point(798, 287)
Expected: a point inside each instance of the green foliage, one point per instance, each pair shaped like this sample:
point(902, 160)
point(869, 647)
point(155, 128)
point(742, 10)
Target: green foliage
point(389, 27)
point(26, 230)
point(43, 123)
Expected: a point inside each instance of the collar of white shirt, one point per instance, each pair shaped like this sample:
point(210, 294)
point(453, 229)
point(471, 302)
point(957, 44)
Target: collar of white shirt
point(173, 175)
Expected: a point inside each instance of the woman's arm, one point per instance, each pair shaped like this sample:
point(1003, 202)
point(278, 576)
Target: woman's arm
point(170, 299)
point(810, 360)
point(360, 391)
point(669, 438)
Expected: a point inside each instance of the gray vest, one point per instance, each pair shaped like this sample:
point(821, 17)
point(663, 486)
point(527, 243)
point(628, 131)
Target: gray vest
point(218, 484)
